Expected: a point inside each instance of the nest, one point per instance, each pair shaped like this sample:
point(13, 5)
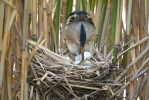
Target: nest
point(53, 77)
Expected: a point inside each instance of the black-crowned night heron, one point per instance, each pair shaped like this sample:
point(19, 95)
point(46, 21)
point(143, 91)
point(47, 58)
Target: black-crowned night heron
point(80, 33)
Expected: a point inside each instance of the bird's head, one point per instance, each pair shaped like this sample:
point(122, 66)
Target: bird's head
point(79, 20)
point(79, 16)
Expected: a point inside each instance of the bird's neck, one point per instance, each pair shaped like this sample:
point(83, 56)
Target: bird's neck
point(82, 35)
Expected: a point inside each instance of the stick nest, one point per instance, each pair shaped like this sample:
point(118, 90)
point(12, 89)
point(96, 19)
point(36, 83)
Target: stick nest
point(52, 77)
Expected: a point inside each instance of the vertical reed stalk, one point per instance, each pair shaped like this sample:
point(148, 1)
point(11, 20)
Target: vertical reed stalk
point(78, 4)
point(69, 6)
point(127, 30)
point(105, 25)
point(51, 30)
point(34, 20)
point(57, 20)
point(98, 15)
point(1, 22)
point(142, 23)
point(8, 68)
point(147, 25)
point(39, 17)
point(84, 5)
point(93, 4)
point(45, 22)
point(101, 23)
point(118, 31)
point(3, 53)
point(88, 7)
point(24, 50)
point(64, 18)
point(113, 23)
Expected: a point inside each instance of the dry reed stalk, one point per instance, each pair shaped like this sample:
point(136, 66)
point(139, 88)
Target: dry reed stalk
point(138, 86)
point(132, 79)
point(135, 45)
point(59, 94)
point(24, 75)
point(81, 8)
point(16, 68)
point(131, 64)
point(98, 16)
point(8, 75)
point(118, 24)
point(135, 27)
point(53, 86)
point(146, 27)
point(4, 95)
point(39, 17)
point(141, 23)
point(105, 25)
point(14, 92)
point(71, 93)
point(83, 87)
point(140, 83)
point(147, 88)
point(52, 31)
point(4, 51)
point(141, 35)
point(47, 50)
point(78, 4)
point(64, 6)
point(34, 50)
point(45, 22)
point(10, 63)
point(34, 19)
point(9, 3)
point(1, 22)
point(24, 51)
point(88, 6)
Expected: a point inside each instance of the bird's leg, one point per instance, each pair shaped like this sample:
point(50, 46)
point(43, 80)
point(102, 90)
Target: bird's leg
point(82, 53)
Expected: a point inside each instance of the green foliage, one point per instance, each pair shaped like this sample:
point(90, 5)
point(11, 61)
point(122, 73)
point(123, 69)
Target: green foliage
point(57, 20)
point(84, 5)
point(113, 23)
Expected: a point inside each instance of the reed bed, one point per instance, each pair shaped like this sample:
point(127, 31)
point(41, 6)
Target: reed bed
point(36, 65)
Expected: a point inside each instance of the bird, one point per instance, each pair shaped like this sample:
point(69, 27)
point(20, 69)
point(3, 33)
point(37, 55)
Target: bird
point(79, 33)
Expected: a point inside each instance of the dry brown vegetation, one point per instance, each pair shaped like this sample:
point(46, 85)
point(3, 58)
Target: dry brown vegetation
point(33, 54)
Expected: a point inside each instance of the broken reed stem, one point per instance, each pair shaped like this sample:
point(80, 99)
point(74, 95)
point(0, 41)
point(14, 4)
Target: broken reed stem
point(34, 50)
